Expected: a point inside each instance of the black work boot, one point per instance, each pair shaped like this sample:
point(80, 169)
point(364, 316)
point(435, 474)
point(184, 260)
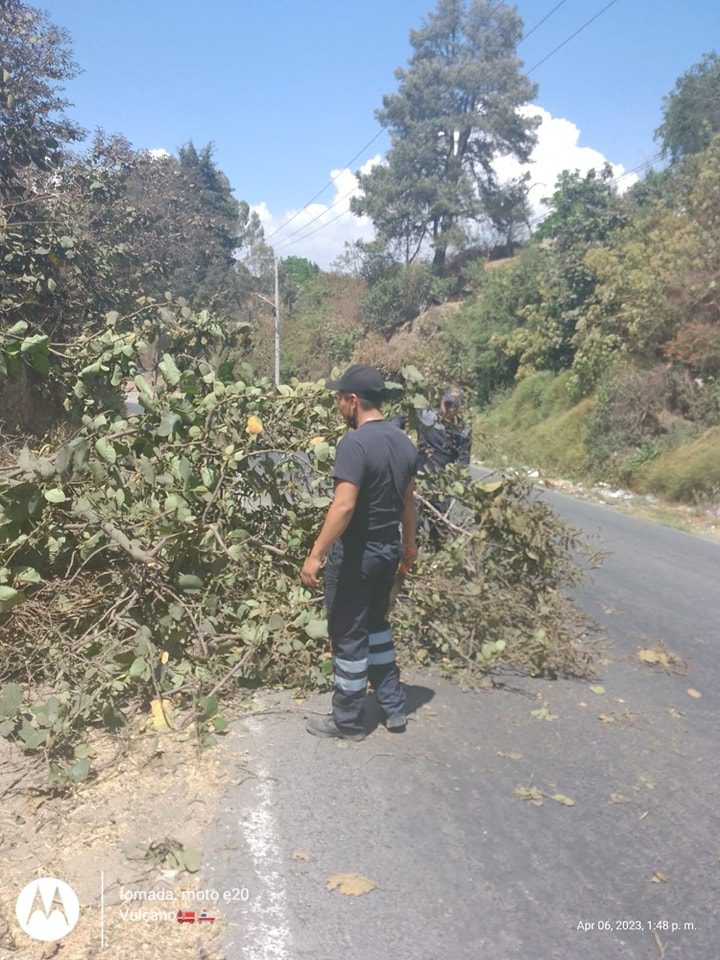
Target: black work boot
point(326, 727)
point(396, 724)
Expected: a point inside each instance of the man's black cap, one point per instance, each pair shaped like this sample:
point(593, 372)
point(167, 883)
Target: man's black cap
point(359, 379)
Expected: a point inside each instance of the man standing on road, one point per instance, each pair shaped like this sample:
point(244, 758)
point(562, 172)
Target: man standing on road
point(442, 436)
point(374, 471)
point(442, 439)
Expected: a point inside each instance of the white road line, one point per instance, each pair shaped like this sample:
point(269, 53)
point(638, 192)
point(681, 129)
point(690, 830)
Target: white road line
point(267, 932)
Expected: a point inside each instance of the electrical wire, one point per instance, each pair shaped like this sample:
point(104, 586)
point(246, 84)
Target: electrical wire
point(284, 242)
point(571, 37)
point(328, 184)
point(322, 213)
point(541, 22)
point(347, 165)
point(641, 166)
point(317, 229)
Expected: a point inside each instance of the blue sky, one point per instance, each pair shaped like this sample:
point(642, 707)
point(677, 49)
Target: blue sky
point(287, 89)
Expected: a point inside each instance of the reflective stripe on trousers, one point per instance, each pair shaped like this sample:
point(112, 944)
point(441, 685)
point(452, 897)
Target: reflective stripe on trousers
point(358, 580)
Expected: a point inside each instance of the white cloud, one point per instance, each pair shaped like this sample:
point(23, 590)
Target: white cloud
point(320, 230)
point(558, 148)
point(158, 153)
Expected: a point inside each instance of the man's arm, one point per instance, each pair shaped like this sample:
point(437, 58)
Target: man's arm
point(409, 526)
point(338, 517)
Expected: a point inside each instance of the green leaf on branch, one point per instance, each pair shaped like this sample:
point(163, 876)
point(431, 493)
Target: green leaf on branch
point(491, 487)
point(106, 450)
point(168, 423)
point(10, 598)
point(80, 770)
point(190, 583)
point(31, 737)
point(17, 329)
point(138, 667)
point(34, 344)
point(169, 370)
point(10, 699)
point(55, 496)
point(317, 629)
point(208, 707)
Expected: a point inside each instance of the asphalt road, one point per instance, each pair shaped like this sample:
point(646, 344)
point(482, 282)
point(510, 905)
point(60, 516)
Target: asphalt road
point(463, 867)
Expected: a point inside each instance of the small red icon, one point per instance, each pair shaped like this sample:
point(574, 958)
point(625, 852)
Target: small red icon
point(204, 916)
point(185, 916)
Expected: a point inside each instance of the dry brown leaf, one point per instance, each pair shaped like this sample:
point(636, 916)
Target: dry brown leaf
point(161, 715)
point(565, 801)
point(532, 794)
point(598, 689)
point(694, 693)
point(542, 713)
point(658, 877)
point(606, 718)
point(302, 855)
point(659, 656)
point(350, 884)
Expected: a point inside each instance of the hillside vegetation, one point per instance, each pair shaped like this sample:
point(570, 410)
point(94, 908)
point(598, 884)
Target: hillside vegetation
point(595, 351)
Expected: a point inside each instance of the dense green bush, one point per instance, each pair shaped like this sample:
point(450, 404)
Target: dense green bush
point(402, 295)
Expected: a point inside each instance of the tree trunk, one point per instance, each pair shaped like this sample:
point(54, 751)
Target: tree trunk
point(439, 259)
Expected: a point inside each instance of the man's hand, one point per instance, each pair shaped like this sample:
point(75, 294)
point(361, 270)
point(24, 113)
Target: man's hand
point(407, 558)
point(310, 571)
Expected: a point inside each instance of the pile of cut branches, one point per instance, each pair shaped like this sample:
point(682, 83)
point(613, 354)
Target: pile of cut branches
point(152, 561)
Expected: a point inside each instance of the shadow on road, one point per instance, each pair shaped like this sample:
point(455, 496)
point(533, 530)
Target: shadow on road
point(415, 698)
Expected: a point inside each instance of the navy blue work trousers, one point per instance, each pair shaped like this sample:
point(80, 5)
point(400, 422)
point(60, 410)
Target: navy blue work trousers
point(359, 576)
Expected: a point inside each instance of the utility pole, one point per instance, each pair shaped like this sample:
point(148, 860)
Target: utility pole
point(276, 314)
point(277, 323)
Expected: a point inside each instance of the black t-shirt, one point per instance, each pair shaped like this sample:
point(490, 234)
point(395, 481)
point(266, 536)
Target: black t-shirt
point(381, 460)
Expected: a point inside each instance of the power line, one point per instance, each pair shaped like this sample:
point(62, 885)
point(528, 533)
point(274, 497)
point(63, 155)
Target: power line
point(641, 166)
point(328, 184)
point(571, 37)
point(541, 22)
point(322, 213)
point(358, 154)
point(317, 229)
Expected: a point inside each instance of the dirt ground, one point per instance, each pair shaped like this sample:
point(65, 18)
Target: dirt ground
point(148, 788)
